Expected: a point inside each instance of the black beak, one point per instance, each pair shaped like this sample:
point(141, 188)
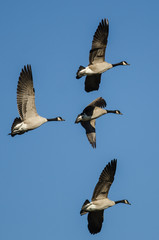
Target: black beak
point(76, 121)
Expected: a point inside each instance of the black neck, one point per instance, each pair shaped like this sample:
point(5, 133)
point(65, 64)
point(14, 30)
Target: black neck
point(117, 64)
point(120, 201)
point(52, 119)
point(111, 111)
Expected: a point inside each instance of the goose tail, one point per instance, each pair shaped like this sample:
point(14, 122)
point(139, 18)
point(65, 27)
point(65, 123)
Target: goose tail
point(83, 209)
point(78, 75)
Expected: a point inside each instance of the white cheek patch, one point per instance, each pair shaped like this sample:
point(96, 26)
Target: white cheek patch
point(79, 118)
point(124, 63)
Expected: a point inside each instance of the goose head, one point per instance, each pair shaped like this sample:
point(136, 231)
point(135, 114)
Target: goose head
point(126, 202)
point(82, 118)
point(124, 63)
point(55, 119)
point(59, 119)
point(118, 112)
point(123, 201)
point(79, 118)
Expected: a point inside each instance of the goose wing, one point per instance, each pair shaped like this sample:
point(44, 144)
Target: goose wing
point(98, 102)
point(92, 82)
point(105, 181)
point(26, 94)
point(97, 53)
point(95, 220)
point(90, 131)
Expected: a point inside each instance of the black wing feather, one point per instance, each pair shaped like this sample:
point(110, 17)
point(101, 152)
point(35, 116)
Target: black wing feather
point(95, 220)
point(105, 181)
point(92, 82)
point(97, 53)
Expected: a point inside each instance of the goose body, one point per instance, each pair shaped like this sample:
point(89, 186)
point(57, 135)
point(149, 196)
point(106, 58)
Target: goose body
point(97, 64)
point(20, 127)
point(29, 118)
point(89, 115)
point(99, 205)
point(100, 200)
point(97, 68)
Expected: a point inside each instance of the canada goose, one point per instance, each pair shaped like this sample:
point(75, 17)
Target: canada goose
point(88, 117)
point(97, 64)
point(100, 200)
point(29, 118)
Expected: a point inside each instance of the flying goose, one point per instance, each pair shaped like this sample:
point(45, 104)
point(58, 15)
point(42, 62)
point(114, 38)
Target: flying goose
point(97, 64)
point(100, 200)
point(29, 118)
point(88, 118)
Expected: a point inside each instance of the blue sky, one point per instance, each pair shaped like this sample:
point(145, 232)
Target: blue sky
point(46, 174)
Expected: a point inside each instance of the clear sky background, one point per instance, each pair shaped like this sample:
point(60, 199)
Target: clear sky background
point(47, 174)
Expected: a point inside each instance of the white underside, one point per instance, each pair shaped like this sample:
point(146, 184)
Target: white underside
point(99, 205)
point(87, 71)
point(29, 124)
point(97, 68)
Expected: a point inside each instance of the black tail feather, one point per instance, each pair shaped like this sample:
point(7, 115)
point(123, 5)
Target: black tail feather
point(16, 121)
point(82, 212)
point(77, 74)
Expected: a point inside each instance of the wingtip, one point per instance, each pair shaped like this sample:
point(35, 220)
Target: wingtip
point(29, 67)
point(104, 102)
point(26, 70)
point(94, 145)
point(114, 161)
point(105, 21)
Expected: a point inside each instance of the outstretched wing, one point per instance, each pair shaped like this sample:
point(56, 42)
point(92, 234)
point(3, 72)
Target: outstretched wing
point(105, 181)
point(92, 82)
point(98, 102)
point(90, 131)
point(95, 220)
point(97, 53)
point(26, 94)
